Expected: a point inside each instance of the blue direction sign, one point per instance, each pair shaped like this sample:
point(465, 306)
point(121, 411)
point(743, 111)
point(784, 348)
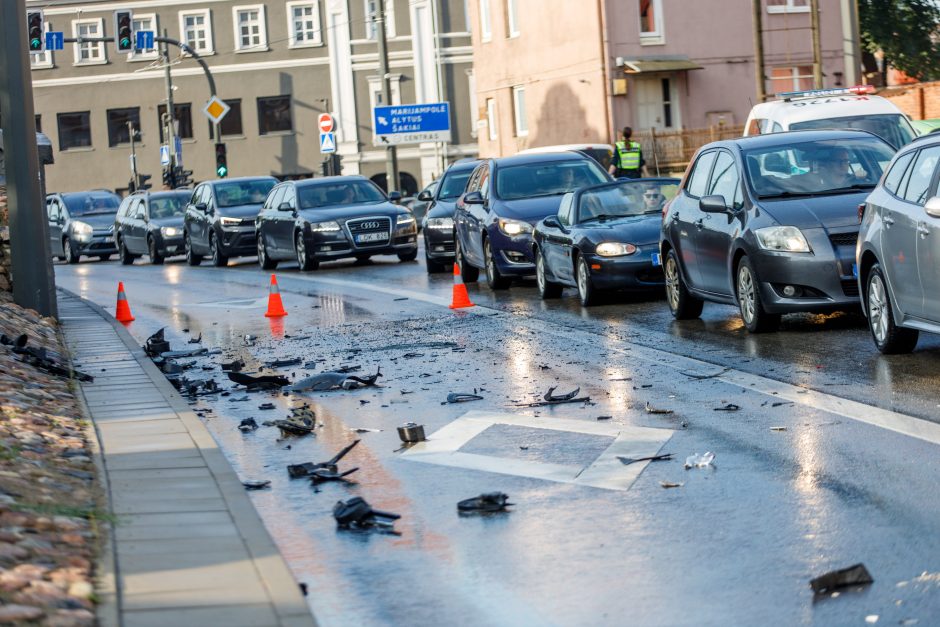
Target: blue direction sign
point(411, 124)
point(55, 40)
point(327, 143)
point(144, 40)
point(164, 155)
point(178, 149)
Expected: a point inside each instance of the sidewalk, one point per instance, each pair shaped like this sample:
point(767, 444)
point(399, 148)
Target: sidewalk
point(188, 546)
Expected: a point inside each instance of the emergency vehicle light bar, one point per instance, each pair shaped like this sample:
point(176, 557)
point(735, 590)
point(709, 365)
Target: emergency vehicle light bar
point(858, 90)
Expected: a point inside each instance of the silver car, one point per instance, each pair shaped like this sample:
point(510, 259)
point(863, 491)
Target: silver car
point(898, 253)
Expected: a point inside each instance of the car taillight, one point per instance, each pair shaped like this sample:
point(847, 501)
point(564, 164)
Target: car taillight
point(861, 212)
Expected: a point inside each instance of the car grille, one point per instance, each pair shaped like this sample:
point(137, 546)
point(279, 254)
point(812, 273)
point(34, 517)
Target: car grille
point(850, 287)
point(449, 247)
point(374, 231)
point(843, 239)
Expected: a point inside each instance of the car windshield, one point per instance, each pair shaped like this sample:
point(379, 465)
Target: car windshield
point(168, 205)
point(627, 198)
point(453, 184)
point(237, 193)
point(830, 166)
point(548, 178)
point(90, 204)
point(891, 127)
point(334, 194)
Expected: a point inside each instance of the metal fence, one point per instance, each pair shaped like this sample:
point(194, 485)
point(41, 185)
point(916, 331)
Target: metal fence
point(671, 151)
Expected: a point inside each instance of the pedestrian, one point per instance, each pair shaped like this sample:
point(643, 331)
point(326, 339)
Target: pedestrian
point(628, 159)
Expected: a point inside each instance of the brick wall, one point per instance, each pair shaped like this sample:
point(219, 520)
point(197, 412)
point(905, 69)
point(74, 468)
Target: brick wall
point(921, 101)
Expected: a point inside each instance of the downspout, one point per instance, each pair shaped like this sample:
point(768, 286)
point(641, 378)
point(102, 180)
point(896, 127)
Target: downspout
point(605, 56)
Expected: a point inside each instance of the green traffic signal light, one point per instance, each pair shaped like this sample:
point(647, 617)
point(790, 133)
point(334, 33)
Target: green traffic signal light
point(34, 27)
point(221, 171)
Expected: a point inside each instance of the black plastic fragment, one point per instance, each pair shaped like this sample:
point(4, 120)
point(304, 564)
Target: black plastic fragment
point(258, 383)
point(485, 503)
point(299, 471)
point(856, 575)
point(357, 513)
point(463, 397)
point(247, 425)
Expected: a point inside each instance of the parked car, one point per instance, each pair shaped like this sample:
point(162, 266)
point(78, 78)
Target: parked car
point(150, 223)
point(503, 201)
point(420, 203)
point(899, 249)
point(82, 223)
point(604, 237)
point(332, 218)
point(770, 223)
point(438, 221)
point(220, 218)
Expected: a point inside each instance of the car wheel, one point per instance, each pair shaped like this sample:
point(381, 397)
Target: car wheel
point(104, 257)
point(126, 257)
point(71, 256)
point(408, 256)
point(494, 279)
point(586, 291)
point(264, 261)
point(304, 261)
point(219, 260)
point(155, 257)
point(755, 317)
point(434, 266)
point(547, 289)
point(889, 338)
point(682, 304)
point(191, 258)
point(468, 273)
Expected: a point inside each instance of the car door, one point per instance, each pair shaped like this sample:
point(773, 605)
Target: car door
point(56, 220)
point(283, 231)
point(267, 217)
point(136, 240)
point(714, 231)
point(203, 219)
point(559, 250)
point(470, 218)
point(686, 219)
point(928, 237)
point(460, 208)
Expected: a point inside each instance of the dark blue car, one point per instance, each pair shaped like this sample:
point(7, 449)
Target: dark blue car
point(603, 238)
point(503, 201)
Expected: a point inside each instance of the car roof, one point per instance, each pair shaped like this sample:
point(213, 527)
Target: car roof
point(541, 157)
point(94, 192)
point(567, 147)
point(788, 112)
point(770, 140)
point(322, 180)
point(463, 166)
point(239, 179)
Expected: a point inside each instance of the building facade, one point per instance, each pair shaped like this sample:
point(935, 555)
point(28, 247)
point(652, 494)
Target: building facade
point(579, 71)
point(277, 64)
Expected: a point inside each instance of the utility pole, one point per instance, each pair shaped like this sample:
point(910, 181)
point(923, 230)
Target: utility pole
point(134, 176)
point(817, 47)
point(169, 121)
point(759, 49)
point(391, 152)
point(31, 260)
point(851, 43)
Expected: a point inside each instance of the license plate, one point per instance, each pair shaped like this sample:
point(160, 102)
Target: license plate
point(855, 270)
point(655, 257)
point(371, 237)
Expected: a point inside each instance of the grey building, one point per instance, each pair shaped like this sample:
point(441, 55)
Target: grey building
point(277, 64)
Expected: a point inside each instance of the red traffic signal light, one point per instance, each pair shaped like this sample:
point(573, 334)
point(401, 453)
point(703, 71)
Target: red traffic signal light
point(123, 30)
point(34, 35)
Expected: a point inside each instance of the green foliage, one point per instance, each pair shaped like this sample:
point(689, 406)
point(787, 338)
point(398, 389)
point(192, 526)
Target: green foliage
point(907, 31)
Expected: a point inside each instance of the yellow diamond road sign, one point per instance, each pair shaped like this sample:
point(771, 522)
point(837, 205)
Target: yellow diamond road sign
point(215, 109)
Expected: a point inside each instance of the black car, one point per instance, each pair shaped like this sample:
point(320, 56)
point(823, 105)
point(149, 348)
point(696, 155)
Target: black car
point(604, 237)
point(503, 201)
point(220, 218)
point(332, 218)
point(82, 223)
point(151, 223)
point(438, 222)
point(769, 223)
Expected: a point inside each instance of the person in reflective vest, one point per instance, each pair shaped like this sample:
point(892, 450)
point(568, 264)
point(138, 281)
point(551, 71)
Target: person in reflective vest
point(628, 158)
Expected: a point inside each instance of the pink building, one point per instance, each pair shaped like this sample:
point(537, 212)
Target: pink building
point(559, 72)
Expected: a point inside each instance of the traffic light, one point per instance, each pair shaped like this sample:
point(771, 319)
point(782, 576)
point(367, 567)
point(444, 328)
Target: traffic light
point(142, 181)
point(34, 21)
point(123, 27)
point(169, 180)
point(221, 163)
point(183, 177)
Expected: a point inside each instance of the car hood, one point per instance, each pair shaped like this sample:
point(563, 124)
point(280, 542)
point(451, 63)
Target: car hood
point(171, 221)
point(349, 212)
point(97, 220)
point(820, 211)
point(529, 209)
point(442, 209)
point(634, 230)
point(240, 211)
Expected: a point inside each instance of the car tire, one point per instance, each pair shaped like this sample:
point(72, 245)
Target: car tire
point(682, 304)
point(191, 258)
point(104, 257)
point(71, 256)
point(408, 256)
point(433, 266)
point(155, 257)
point(468, 273)
point(587, 293)
point(889, 338)
point(304, 261)
point(494, 279)
point(264, 260)
point(219, 260)
point(747, 287)
point(547, 289)
point(126, 257)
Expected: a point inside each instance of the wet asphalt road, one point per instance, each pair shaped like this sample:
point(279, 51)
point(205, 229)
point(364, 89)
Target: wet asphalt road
point(801, 484)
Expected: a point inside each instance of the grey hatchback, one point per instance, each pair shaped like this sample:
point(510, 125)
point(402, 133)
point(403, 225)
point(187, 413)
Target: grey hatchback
point(898, 254)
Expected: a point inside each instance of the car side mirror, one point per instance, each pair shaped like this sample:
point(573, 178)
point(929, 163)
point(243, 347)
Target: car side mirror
point(713, 204)
point(425, 196)
point(552, 221)
point(394, 197)
point(473, 198)
point(933, 207)
point(285, 206)
point(201, 206)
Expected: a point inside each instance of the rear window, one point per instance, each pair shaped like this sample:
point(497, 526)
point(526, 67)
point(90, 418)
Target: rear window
point(243, 192)
point(88, 204)
point(893, 128)
point(547, 178)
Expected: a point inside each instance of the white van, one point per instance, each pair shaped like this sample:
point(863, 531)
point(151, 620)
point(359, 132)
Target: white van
point(849, 108)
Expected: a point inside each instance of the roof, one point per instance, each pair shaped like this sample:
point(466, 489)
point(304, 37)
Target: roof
point(567, 147)
point(238, 179)
point(771, 140)
point(322, 180)
point(463, 165)
point(661, 64)
point(803, 109)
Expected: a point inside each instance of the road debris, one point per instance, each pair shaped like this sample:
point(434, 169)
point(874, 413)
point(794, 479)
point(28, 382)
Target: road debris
point(558, 399)
point(699, 461)
point(299, 471)
point(249, 339)
point(247, 425)
point(263, 382)
point(302, 421)
point(604, 417)
point(669, 484)
point(778, 428)
point(728, 407)
point(333, 380)
point(411, 432)
point(40, 359)
point(487, 503)
point(462, 397)
point(856, 575)
point(284, 363)
point(232, 366)
point(195, 340)
point(156, 344)
point(357, 513)
point(365, 430)
point(320, 475)
point(654, 410)
point(699, 376)
point(266, 406)
point(256, 485)
point(626, 461)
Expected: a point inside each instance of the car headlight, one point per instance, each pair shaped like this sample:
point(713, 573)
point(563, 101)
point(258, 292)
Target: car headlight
point(615, 249)
point(782, 238)
point(325, 227)
point(405, 219)
point(514, 227)
point(82, 229)
point(169, 231)
point(441, 224)
point(230, 221)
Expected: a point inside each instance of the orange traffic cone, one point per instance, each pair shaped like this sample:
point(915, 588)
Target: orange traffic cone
point(123, 310)
point(461, 298)
point(275, 306)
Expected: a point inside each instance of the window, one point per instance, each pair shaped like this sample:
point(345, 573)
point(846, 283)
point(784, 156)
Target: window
point(274, 115)
point(491, 118)
point(667, 102)
point(303, 24)
point(512, 18)
point(796, 78)
point(250, 33)
point(565, 209)
point(788, 6)
point(896, 173)
point(921, 173)
point(372, 8)
point(196, 30)
point(231, 124)
point(486, 30)
point(466, 15)
point(74, 130)
point(376, 92)
point(724, 181)
point(518, 109)
point(184, 120)
point(89, 53)
point(42, 59)
point(118, 133)
point(698, 181)
point(651, 18)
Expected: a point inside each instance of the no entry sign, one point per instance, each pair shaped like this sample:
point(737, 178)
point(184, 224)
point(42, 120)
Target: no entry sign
point(326, 122)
